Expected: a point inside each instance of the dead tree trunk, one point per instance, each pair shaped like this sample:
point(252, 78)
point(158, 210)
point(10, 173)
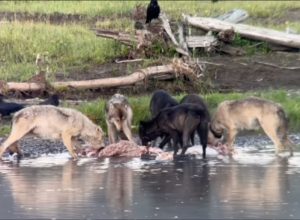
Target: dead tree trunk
point(247, 31)
point(175, 69)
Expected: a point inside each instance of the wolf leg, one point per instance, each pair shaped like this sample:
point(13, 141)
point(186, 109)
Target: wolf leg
point(14, 148)
point(18, 131)
point(185, 141)
point(270, 130)
point(290, 145)
point(230, 139)
point(203, 134)
point(175, 137)
point(127, 130)
point(165, 140)
point(67, 140)
point(112, 133)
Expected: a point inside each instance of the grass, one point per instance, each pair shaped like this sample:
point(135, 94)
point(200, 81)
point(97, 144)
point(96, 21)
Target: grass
point(67, 46)
point(111, 8)
point(4, 130)
point(74, 46)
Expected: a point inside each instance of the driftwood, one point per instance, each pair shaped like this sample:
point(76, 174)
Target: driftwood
point(174, 69)
point(125, 38)
point(128, 61)
point(181, 37)
point(201, 41)
point(247, 31)
point(167, 28)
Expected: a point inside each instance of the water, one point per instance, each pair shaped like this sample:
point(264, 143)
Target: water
point(254, 184)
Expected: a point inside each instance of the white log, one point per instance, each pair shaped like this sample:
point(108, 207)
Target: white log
point(201, 41)
point(247, 31)
point(176, 68)
point(166, 25)
point(116, 81)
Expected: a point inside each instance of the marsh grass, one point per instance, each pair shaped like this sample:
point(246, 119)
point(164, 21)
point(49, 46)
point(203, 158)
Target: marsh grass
point(67, 46)
point(174, 9)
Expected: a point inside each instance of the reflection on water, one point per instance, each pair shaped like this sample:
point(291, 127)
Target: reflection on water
point(252, 185)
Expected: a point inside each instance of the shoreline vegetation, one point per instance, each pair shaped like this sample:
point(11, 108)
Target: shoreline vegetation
point(140, 105)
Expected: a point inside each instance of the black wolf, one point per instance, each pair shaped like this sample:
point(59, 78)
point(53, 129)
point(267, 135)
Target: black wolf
point(7, 108)
point(159, 101)
point(197, 100)
point(178, 122)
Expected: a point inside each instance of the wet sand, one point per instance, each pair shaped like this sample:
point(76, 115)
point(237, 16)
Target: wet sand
point(254, 184)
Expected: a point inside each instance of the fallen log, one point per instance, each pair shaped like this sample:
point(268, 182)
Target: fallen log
point(176, 68)
point(201, 41)
point(166, 25)
point(125, 38)
point(247, 31)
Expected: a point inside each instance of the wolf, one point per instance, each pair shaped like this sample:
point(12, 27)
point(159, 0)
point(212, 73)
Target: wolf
point(250, 114)
point(52, 100)
point(197, 100)
point(118, 116)
point(178, 122)
point(8, 108)
point(50, 122)
point(159, 101)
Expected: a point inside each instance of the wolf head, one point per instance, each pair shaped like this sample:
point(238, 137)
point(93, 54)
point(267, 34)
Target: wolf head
point(117, 114)
point(95, 137)
point(147, 132)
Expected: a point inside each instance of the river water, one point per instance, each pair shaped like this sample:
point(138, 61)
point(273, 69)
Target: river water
point(253, 184)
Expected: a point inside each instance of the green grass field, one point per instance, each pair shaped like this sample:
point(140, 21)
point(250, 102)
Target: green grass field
point(73, 45)
point(174, 9)
point(67, 46)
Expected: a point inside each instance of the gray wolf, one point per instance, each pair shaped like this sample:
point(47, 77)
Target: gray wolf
point(159, 101)
point(50, 122)
point(250, 114)
point(178, 122)
point(118, 115)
